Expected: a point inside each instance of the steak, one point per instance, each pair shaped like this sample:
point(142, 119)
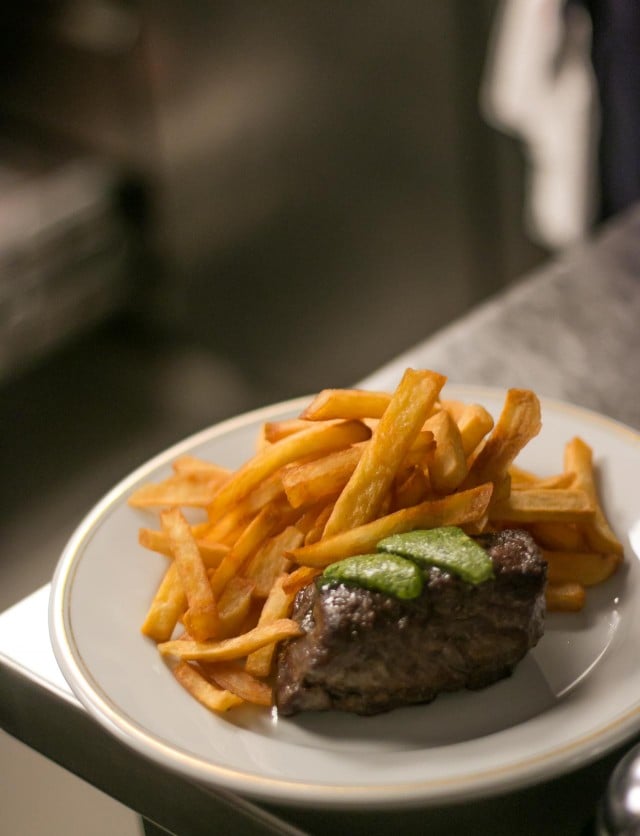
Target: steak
point(367, 652)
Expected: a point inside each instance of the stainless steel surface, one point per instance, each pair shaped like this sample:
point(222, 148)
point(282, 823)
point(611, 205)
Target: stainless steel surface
point(619, 811)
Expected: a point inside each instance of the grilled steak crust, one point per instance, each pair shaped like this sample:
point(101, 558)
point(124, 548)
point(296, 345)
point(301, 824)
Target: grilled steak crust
point(367, 652)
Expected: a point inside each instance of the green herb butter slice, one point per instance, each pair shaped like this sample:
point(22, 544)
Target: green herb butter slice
point(448, 548)
point(387, 573)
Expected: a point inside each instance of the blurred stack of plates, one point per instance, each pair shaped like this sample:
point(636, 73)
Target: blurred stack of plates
point(63, 252)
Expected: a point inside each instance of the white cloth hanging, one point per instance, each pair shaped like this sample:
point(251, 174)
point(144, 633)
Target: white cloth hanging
point(539, 86)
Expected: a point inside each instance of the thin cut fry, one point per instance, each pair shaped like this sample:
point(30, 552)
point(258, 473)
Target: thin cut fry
point(565, 597)
point(321, 478)
point(401, 422)
point(474, 422)
point(252, 537)
point(346, 403)
point(201, 618)
point(299, 578)
point(157, 541)
point(449, 463)
point(269, 562)
point(578, 458)
point(194, 466)
point(518, 423)
point(175, 491)
point(278, 605)
point(586, 568)
point(233, 648)
point(229, 676)
point(199, 687)
point(456, 509)
point(234, 605)
point(546, 505)
point(558, 536)
point(316, 440)
point(168, 606)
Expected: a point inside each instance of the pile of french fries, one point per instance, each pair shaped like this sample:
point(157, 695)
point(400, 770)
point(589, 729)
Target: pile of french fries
point(353, 468)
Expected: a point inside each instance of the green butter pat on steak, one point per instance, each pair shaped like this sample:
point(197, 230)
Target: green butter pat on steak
point(447, 548)
point(390, 574)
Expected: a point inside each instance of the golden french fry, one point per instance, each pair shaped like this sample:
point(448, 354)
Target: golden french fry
point(258, 530)
point(278, 605)
point(177, 490)
point(346, 403)
point(455, 509)
point(230, 677)
point(412, 489)
point(578, 458)
point(193, 466)
point(235, 647)
point(558, 536)
point(565, 597)
point(299, 578)
point(518, 423)
point(371, 481)
point(474, 422)
point(168, 606)
point(321, 478)
point(276, 430)
point(448, 466)
point(269, 562)
point(269, 490)
point(317, 440)
point(158, 541)
point(234, 605)
point(199, 687)
point(315, 532)
point(586, 568)
point(201, 618)
point(543, 504)
point(524, 480)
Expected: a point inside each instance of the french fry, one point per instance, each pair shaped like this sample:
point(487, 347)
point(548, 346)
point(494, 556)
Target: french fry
point(234, 648)
point(278, 605)
point(558, 536)
point(260, 528)
point(524, 479)
point(455, 509)
point(177, 490)
point(277, 430)
point(586, 568)
point(401, 422)
point(518, 423)
point(193, 466)
point(412, 489)
point(474, 422)
point(158, 541)
point(545, 505)
point(321, 478)
point(578, 458)
point(316, 440)
point(228, 676)
point(269, 562)
point(299, 578)
point(201, 617)
point(199, 687)
point(234, 605)
point(448, 466)
point(565, 597)
point(346, 403)
point(168, 606)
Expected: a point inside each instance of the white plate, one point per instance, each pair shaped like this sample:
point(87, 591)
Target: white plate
point(574, 697)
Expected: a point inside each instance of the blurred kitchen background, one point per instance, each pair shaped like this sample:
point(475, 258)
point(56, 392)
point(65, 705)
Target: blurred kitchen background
point(205, 208)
